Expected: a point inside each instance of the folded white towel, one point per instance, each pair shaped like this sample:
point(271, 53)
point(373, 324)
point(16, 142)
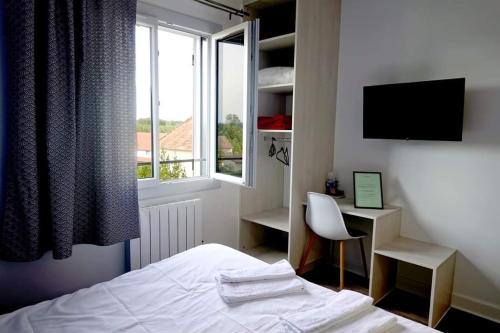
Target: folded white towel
point(276, 75)
point(280, 270)
point(246, 291)
point(381, 324)
point(344, 305)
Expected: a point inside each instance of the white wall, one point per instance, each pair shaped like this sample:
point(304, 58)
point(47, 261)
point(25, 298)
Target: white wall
point(220, 212)
point(27, 283)
point(449, 191)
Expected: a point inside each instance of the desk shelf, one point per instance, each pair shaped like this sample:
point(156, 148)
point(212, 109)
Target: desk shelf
point(275, 218)
point(267, 254)
point(439, 259)
point(416, 252)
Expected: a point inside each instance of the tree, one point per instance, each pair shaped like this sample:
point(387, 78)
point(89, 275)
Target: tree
point(166, 126)
point(144, 171)
point(233, 131)
point(168, 171)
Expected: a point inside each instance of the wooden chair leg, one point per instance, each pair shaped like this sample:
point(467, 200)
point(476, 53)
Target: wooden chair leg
point(341, 254)
point(310, 243)
point(363, 256)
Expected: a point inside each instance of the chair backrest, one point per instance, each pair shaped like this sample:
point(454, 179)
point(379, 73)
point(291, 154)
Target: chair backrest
point(323, 216)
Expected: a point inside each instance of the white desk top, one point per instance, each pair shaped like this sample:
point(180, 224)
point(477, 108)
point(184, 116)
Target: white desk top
point(347, 207)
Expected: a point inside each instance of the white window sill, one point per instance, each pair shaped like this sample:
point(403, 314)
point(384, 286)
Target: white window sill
point(153, 190)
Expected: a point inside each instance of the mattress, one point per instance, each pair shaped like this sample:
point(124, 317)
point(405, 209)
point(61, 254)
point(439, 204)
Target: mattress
point(175, 295)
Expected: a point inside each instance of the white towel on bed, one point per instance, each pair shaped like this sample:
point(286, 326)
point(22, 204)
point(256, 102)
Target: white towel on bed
point(247, 291)
point(381, 324)
point(344, 305)
point(280, 270)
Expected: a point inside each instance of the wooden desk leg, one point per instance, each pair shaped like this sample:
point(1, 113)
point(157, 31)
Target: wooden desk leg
point(383, 276)
point(341, 254)
point(442, 288)
point(363, 257)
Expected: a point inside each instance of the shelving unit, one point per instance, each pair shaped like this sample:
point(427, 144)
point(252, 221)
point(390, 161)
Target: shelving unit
point(277, 88)
point(265, 217)
point(292, 34)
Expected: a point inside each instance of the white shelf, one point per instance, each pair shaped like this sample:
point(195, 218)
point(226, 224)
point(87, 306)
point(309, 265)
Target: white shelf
point(278, 42)
point(277, 88)
point(275, 218)
point(416, 252)
point(274, 131)
point(261, 4)
point(267, 254)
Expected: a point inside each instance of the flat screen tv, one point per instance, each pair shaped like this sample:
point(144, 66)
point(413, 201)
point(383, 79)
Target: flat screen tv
point(427, 110)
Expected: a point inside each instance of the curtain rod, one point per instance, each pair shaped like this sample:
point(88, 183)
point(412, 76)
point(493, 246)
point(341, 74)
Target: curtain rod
point(224, 8)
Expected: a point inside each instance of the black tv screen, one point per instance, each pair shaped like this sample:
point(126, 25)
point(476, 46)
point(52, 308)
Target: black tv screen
point(427, 110)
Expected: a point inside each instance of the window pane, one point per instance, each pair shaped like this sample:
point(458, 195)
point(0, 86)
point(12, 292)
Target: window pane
point(143, 100)
point(230, 105)
point(180, 122)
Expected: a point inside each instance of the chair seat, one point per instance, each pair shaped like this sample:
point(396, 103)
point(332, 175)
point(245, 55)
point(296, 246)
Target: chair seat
point(355, 233)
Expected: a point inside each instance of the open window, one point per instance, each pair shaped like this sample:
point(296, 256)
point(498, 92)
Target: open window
point(196, 104)
point(234, 104)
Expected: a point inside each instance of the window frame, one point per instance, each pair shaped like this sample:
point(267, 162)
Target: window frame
point(250, 30)
point(202, 107)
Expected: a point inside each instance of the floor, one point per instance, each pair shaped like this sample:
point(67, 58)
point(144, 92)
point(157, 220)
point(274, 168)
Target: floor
point(402, 303)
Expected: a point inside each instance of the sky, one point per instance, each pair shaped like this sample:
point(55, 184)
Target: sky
point(176, 74)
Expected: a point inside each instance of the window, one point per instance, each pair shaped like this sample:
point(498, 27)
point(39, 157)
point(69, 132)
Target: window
point(230, 85)
point(195, 101)
point(171, 94)
point(235, 55)
point(143, 79)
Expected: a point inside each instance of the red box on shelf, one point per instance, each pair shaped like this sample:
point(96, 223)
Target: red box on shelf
point(279, 122)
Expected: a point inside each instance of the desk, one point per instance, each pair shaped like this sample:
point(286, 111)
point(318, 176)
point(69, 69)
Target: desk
point(386, 225)
point(388, 247)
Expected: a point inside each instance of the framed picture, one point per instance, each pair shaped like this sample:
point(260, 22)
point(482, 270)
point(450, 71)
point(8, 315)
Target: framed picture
point(368, 190)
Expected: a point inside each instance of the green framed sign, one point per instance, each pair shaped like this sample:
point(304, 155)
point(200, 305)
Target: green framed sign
point(368, 190)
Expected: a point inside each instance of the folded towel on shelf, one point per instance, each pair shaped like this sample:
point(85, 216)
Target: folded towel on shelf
point(276, 75)
point(344, 305)
point(235, 292)
point(280, 270)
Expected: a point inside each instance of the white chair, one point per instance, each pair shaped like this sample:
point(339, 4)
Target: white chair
point(325, 219)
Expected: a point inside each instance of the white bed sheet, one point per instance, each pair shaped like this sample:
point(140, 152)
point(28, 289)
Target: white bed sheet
point(178, 294)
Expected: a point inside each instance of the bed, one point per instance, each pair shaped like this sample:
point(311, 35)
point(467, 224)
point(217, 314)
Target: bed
point(175, 295)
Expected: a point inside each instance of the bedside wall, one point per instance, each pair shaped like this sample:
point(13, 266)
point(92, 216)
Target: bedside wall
point(449, 191)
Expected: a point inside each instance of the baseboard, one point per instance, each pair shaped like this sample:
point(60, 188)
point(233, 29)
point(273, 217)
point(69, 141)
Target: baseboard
point(476, 307)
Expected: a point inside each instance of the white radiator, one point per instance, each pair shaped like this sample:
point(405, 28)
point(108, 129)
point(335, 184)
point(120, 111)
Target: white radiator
point(166, 230)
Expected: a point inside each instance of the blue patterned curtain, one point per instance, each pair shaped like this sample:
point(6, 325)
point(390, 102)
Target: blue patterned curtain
point(70, 157)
